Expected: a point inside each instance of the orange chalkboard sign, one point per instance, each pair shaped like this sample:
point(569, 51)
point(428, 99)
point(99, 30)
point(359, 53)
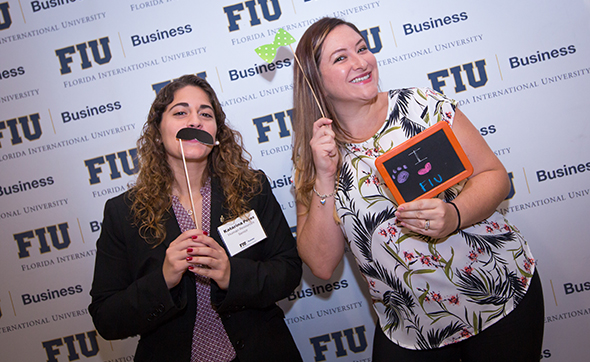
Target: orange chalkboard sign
point(425, 165)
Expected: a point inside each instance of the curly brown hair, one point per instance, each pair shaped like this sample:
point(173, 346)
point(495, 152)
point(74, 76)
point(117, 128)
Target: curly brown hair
point(306, 111)
point(227, 162)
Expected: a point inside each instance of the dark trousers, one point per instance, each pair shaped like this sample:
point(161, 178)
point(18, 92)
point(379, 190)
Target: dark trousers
point(517, 337)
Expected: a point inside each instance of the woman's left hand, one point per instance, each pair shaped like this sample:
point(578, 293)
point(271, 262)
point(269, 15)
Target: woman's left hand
point(209, 259)
point(431, 217)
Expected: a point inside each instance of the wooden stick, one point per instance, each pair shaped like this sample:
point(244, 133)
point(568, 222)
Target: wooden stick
point(307, 80)
point(190, 192)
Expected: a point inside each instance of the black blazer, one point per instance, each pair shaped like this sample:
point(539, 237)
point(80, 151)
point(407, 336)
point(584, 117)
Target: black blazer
point(130, 296)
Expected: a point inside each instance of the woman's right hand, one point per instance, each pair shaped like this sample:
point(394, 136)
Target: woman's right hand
point(175, 262)
point(324, 149)
point(320, 241)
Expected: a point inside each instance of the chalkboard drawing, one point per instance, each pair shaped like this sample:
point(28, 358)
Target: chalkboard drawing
point(425, 170)
point(415, 153)
point(402, 176)
point(424, 183)
point(425, 165)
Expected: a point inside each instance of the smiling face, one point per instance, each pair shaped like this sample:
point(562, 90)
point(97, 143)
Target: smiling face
point(347, 67)
point(190, 108)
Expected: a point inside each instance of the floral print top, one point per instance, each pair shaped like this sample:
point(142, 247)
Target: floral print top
point(427, 293)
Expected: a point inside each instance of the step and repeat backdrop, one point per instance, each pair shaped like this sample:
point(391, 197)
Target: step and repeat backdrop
point(77, 78)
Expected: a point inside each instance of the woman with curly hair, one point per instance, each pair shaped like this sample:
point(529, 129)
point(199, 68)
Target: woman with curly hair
point(451, 279)
point(174, 283)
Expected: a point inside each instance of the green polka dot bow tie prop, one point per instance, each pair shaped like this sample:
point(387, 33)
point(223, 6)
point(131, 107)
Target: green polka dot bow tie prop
point(268, 52)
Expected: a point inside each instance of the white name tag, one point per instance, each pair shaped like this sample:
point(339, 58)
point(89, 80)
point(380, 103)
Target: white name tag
point(242, 233)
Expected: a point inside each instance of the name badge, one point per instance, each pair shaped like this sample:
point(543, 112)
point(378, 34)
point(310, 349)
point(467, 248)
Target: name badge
point(242, 233)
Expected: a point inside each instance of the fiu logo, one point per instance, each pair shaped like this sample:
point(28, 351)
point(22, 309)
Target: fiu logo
point(512, 189)
point(52, 347)
point(263, 129)
point(319, 343)
point(23, 240)
point(6, 20)
point(26, 124)
point(158, 86)
point(438, 83)
point(82, 49)
point(123, 156)
point(504, 210)
point(378, 45)
point(233, 12)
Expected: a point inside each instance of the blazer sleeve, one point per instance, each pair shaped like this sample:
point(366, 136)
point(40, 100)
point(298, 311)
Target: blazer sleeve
point(129, 293)
point(268, 273)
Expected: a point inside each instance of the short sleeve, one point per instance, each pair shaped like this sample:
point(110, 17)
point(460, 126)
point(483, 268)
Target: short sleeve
point(440, 107)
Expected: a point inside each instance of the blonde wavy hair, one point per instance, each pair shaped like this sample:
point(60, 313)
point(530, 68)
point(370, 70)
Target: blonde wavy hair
point(227, 162)
point(306, 111)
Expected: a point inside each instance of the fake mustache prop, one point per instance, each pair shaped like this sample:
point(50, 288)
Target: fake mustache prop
point(188, 134)
point(203, 137)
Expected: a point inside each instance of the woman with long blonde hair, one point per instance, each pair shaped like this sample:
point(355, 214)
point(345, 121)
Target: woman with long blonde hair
point(450, 278)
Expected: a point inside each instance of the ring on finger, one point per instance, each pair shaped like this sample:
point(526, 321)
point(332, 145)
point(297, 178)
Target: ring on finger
point(427, 225)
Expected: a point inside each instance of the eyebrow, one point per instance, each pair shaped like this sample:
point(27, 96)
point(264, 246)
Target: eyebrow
point(184, 104)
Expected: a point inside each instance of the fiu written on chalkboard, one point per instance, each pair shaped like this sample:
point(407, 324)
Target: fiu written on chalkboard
point(424, 165)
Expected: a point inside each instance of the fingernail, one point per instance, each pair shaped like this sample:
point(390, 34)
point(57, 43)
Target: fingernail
point(189, 250)
point(189, 258)
point(194, 237)
point(190, 267)
point(205, 233)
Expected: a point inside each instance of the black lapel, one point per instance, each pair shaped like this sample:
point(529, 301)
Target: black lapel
point(172, 227)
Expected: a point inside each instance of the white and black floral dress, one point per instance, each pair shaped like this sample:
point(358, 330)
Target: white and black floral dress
point(427, 293)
